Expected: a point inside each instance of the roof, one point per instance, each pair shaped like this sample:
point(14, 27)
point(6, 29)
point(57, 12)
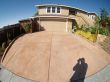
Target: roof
point(52, 16)
point(27, 19)
point(70, 7)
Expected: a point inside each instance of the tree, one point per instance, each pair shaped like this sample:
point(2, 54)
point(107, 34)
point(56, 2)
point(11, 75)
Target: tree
point(97, 20)
point(27, 28)
point(36, 14)
point(108, 19)
point(103, 16)
point(108, 22)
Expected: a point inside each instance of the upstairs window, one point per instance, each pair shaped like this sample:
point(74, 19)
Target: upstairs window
point(53, 9)
point(48, 9)
point(58, 9)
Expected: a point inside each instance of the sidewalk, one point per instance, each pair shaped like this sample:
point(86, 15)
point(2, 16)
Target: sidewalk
point(102, 76)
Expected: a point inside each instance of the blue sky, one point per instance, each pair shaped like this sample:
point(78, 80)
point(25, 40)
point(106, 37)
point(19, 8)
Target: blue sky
point(13, 10)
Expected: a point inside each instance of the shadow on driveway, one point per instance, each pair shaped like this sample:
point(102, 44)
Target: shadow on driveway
point(80, 70)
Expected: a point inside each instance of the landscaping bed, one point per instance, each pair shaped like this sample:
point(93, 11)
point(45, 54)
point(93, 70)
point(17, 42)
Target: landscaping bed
point(91, 33)
point(87, 35)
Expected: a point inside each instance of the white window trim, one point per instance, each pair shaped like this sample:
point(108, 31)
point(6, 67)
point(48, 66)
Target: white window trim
point(51, 10)
point(60, 10)
point(46, 10)
point(55, 9)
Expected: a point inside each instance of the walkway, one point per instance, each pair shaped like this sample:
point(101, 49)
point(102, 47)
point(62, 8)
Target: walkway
point(102, 76)
point(51, 56)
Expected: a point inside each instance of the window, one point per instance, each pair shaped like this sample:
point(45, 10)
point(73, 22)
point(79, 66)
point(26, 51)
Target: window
point(48, 9)
point(53, 9)
point(58, 9)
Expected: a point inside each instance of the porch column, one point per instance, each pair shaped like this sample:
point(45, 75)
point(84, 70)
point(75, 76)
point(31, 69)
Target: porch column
point(39, 23)
point(66, 25)
point(31, 20)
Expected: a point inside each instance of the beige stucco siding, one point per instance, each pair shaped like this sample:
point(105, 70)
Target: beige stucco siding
point(64, 11)
point(69, 25)
point(43, 11)
point(53, 24)
point(84, 19)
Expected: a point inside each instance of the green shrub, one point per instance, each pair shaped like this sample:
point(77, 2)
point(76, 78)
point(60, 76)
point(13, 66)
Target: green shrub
point(93, 29)
point(27, 28)
point(103, 31)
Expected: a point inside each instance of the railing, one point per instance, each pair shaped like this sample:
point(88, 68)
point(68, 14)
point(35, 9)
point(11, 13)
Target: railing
point(10, 32)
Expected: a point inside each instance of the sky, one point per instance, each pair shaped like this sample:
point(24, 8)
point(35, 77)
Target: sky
point(11, 11)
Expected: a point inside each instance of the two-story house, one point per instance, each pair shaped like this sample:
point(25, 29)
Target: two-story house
point(52, 17)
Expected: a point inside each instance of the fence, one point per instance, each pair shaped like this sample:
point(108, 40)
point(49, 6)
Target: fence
point(10, 32)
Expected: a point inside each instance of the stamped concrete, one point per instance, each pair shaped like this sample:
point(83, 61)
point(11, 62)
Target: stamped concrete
point(51, 56)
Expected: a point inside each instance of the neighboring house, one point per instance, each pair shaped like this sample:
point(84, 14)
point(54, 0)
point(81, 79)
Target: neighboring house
point(52, 17)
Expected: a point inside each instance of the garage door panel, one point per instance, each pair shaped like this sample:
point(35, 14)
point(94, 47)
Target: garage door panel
point(54, 25)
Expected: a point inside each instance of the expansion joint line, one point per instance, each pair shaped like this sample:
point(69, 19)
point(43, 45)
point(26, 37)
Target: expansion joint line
point(50, 59)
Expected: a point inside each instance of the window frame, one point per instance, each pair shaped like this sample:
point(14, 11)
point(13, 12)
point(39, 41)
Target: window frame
point(57, 9)
point(54, 10)
point(51, 10)
point(47, 9)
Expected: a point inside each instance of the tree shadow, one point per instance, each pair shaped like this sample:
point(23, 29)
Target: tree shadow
point(80, 70)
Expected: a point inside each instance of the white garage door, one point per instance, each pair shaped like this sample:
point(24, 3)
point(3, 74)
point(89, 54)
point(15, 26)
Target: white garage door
point(53, 24)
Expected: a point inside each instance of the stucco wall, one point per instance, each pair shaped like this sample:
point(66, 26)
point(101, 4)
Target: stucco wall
point(80, 21)
point(85, 18)
point(42, 10)
point(64, 11)
point(69, 25)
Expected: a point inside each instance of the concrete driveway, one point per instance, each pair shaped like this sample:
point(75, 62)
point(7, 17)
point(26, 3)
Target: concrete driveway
point(52, 56)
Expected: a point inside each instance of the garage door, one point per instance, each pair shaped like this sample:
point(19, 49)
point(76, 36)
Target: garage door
point(53, 24)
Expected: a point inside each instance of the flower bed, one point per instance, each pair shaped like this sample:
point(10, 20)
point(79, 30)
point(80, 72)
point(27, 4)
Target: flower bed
point(87, 35)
